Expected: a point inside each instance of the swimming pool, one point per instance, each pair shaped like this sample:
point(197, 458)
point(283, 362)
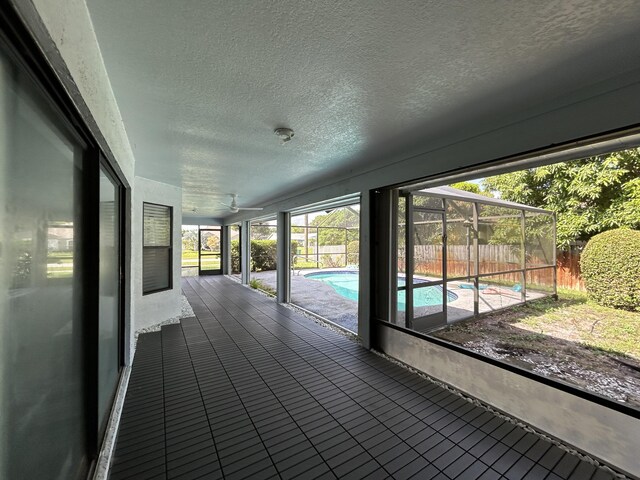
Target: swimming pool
point(346, 284)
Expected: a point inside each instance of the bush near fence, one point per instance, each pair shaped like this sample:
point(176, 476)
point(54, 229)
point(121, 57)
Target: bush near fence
point(264, 255)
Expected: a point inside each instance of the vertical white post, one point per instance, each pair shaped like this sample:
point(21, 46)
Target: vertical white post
point(523, 256)
point(476, 252)
point(226, 250)
point(245, 251)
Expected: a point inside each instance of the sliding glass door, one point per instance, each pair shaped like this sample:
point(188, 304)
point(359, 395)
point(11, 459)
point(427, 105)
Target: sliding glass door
point(43, 382)
point(109, 329)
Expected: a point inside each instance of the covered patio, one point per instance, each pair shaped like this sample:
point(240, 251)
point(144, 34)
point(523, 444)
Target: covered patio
point(249, 388)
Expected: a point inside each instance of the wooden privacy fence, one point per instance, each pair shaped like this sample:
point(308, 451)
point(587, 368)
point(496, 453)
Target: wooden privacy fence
point(496, 258)
point(569, 270)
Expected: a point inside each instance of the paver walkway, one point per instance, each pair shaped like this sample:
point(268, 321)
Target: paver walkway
point(251, 389)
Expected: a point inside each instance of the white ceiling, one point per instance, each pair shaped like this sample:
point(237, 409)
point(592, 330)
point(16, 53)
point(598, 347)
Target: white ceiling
point(202, 84)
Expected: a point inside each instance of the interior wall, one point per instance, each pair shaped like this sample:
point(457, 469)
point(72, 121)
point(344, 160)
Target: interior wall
point(598, 430)
point(155, 308)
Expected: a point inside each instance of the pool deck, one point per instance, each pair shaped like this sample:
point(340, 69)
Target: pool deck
point(323, 300)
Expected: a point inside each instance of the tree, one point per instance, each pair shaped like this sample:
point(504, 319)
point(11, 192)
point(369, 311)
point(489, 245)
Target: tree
point(468, 187)
point(590, 195)
point(189, 239)
point(263, 231)
point(212, 243)
point(333, 225)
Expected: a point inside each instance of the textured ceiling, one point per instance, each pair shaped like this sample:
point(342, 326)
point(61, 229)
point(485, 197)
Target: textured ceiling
point(202, 84)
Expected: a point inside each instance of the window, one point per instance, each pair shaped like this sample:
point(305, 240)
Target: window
point(470, 254)
point(325, 245)
point(236, 251)
point(157, 248)
point(263, 255)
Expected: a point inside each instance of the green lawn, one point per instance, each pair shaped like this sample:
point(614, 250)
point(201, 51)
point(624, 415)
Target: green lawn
point(190, 259)
point(574, 318)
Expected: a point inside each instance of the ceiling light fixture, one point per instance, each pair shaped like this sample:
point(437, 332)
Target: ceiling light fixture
point(284, 134)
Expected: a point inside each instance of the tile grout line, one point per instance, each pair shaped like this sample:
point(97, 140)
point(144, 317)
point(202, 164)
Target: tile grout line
point(329, 380)
point(267, 385)
point(347, 394)
point(460, 394)
point(195, 374)
point(302, 335)
point(239, 398)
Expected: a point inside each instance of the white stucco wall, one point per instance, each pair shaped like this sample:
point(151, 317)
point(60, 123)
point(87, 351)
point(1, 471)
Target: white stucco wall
point(598, 430)
point(149, 310)
point(69, 26)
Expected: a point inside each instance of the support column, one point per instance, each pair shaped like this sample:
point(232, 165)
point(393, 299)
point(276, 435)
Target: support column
point(226, 250)
point(476, 252)
point(245, 251)
point(364, 254)
point(523, 257)
point(283, 263)
point(409, 262)
point(393, 258)
point(555, 257)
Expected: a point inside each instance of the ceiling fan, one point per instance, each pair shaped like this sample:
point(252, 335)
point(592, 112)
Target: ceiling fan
point(234, 208)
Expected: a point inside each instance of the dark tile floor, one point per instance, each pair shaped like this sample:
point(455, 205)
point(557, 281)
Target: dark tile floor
point(251, 389)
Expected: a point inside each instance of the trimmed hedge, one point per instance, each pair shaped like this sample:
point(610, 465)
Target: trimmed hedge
point(235, 256)
point(263, 255)
point(610, 266)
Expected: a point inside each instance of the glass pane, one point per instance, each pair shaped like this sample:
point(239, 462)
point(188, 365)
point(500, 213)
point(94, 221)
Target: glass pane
point(324, 260)
point(540, 283)
point(427, 245)
point(500, 239)
point(401, 243)
point(500, 291)
point(460, 235)
point(332, 246)
point(155, 267)
point(210, 256)
point(210, 262)
point(263, 256)
point(460, 300)
point(428, 267)
point(235, 251)
point(60, 250)
point(157, 225)
point(189, 250)
point(109, 305)
point(42, 424)
point(210, 242)
point(539, 239)
point(426, 201)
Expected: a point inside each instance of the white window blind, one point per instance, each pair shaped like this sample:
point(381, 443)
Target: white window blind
point(157, 248)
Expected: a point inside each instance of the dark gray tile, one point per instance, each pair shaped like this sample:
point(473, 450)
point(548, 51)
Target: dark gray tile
point(252, 389)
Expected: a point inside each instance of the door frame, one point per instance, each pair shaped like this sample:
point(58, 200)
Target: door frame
point(437, 319)
point(106, 168)
point(219, 254)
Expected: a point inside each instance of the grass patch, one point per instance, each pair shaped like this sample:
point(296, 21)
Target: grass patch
point(301, 264)
point(572, 339)
point(260, 285)
point(574, 318)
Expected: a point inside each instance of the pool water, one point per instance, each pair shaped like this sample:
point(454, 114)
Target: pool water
point(346, 284)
